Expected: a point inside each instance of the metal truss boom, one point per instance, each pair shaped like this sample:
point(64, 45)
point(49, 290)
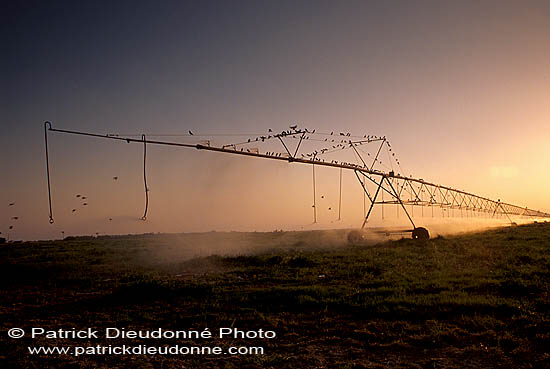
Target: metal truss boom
point(403, 191)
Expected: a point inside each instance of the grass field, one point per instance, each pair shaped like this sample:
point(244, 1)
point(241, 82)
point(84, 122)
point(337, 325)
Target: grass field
point(475, 300)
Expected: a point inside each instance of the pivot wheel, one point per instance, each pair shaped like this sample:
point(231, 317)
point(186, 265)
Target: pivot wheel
point(355, 237)
point(420, 233)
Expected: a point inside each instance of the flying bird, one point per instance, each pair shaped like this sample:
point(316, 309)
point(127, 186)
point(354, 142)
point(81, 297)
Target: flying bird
point(74, 210)
point(83, 198)
point(85, 204)
point(77, 195)
point(115, 178)
point(14, 218)
point(10, 227)
point(11, 204)
point(191, 133)
point(110, 219)
point(294, 126)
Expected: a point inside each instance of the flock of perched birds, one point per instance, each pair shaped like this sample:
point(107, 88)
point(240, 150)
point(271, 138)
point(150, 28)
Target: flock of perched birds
point(336, 141)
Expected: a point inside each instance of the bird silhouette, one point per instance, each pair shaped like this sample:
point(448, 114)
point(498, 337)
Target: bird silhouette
point(191, 133)
point(270, 130)
point(73, 210)
point(110, 219)
point(14, 218)
point(77, 195)
point(115, 178)
point(294, 126)
point(11, 204)
point(10, 227)
point(85, 204)
point(83, 198)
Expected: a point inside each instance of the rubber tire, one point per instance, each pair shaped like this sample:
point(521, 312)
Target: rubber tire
point(355, 237)
point(420, 233)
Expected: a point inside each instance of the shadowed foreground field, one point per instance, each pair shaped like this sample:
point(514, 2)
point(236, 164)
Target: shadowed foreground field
point(469, 301)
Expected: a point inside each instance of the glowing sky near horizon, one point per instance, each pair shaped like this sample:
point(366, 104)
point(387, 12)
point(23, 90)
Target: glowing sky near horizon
point(461, 89)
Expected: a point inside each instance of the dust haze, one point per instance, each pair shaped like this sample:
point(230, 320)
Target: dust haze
point(171, 249)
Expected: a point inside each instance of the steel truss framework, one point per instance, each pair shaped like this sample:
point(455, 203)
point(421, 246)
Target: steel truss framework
point(416, 192)
point(403, 191)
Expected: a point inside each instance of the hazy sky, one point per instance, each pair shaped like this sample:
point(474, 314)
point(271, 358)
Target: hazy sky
point(461, 89)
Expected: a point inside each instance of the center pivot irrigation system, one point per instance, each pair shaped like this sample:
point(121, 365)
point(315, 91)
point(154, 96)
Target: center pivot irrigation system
point(368, 167)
